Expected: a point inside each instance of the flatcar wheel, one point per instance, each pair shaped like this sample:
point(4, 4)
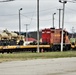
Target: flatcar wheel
point(2, 52)
point(7, 52)
point(11, 52)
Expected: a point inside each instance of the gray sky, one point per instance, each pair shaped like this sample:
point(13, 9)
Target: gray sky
point(9, 14)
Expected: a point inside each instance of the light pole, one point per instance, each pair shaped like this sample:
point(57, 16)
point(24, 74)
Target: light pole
point(20, 21)
point(38, 26)
point(53, 19)
point(59, 16)
point(64, 2)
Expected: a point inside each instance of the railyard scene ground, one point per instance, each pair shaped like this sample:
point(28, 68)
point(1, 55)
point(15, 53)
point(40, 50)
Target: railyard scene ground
point(48, 63)
point(29, 56)
point(58, 66)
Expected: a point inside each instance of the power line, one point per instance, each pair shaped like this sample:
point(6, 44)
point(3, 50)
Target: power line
point(71, 9)
point(36, 19)
point(72, 1)
point(9, 15)
point(65, 21)
point(31, 12)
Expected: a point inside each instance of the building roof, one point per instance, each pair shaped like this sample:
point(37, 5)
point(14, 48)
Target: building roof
point(31, 39)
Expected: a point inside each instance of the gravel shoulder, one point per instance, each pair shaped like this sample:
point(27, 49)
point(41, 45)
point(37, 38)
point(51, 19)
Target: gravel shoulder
point(57, 66)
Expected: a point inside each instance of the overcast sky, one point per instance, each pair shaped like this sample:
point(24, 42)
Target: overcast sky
point(9, 14)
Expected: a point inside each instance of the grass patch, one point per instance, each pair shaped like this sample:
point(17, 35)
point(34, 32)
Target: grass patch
point(26, 56)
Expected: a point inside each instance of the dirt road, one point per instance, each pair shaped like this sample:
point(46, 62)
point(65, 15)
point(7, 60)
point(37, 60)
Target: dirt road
point(58, 66)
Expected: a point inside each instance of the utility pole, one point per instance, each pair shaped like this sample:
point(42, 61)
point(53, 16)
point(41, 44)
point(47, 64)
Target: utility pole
point(59, 16)
point(38, 26)
point(26, 32)
point(20, 21)
point(64, 2)
point(73, 30)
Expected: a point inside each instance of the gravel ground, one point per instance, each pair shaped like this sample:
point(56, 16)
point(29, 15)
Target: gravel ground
point(58, 66)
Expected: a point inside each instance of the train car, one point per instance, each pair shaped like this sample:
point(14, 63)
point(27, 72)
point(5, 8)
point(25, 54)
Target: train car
point(52, 37)
point(51, 41)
